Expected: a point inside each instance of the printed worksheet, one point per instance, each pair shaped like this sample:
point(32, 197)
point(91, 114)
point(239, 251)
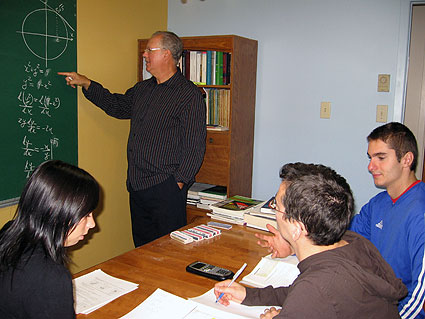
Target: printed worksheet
point(96, 289)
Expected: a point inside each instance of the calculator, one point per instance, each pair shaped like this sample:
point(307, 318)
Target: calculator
point(209, 271)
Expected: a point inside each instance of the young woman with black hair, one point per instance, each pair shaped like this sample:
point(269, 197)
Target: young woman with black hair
point(54, 212)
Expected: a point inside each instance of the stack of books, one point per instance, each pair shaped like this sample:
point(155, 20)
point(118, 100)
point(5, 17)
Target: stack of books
point(261, 216)
point(203, 195)
point(232, 210)
point(193, 197)
point(211, 195)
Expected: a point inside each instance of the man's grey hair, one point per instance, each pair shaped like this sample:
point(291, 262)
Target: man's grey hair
point(170, 41)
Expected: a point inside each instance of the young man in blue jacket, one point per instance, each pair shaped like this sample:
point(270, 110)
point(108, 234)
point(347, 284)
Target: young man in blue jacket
point(393, 220)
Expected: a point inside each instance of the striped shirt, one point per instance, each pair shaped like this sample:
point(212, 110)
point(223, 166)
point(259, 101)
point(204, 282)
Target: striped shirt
point(167, 128)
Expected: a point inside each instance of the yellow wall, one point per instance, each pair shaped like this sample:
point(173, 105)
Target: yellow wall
point(6, 214)
point(107, 33)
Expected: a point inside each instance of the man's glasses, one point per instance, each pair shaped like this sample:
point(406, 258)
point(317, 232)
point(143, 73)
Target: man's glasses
point(149, 50)
point(273, 206)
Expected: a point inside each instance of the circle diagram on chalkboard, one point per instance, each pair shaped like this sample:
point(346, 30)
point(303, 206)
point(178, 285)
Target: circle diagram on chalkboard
point(46, 33)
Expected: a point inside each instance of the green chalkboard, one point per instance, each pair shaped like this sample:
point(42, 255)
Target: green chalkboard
point(38, 112)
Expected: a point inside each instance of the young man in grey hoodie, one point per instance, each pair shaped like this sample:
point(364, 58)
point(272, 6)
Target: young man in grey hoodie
point(342, 275)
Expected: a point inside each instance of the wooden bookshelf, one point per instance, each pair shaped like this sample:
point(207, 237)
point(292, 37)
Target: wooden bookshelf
point(229, 154)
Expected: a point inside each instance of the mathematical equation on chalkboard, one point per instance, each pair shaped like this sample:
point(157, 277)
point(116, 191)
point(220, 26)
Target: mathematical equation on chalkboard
point(38, 111)
point(37, 104)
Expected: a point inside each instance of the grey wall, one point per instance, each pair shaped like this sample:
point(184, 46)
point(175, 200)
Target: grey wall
point(312, 51)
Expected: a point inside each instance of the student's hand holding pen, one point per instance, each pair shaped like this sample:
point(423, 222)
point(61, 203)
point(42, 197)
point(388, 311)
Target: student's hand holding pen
point(73, 79)
point(235, 292)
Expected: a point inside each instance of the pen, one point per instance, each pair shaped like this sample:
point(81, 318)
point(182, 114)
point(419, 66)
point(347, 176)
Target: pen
point(233, 280)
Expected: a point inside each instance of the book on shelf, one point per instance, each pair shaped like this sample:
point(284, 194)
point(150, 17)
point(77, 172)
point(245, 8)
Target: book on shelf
point(219, 68)
point(259, 222)
point(186, 65)
point(212, 127)
point(225, 68)
point(217, 191)
point(235, 206)
point(217, 104)
point(192, 59)
point(209, 56)
point(206, 99)
point(213, 62)
point(204, 68)
point(198, 68)
point(277, 272)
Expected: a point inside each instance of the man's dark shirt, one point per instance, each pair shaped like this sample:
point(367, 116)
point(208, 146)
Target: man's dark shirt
point(167, 132)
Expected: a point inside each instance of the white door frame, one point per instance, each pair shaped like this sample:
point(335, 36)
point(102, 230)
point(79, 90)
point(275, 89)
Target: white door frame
point(406, 7)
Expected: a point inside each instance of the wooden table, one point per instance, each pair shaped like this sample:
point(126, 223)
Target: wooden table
point(162, 264)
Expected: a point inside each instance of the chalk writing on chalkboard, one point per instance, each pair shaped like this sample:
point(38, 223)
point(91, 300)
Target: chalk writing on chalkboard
point(38, 114)
point(32, 37)
point(37, 107)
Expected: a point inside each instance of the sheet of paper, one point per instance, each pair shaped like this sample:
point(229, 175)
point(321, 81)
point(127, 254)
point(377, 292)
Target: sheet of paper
point(277, 272)
point(240, 311)
point(96, 289)
point(162, 304)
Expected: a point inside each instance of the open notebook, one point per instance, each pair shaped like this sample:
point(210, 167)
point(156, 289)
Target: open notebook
point(277, 272)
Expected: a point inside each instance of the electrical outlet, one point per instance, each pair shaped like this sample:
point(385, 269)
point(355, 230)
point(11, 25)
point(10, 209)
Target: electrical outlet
point(325, 110)
point(381, 113)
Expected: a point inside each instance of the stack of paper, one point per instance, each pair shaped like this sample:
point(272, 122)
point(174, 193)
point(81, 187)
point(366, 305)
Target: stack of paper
point(96, 289)
point(277, 272)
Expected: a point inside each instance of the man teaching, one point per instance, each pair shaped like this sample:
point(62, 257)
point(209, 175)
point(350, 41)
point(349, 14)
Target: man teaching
point(166, 144)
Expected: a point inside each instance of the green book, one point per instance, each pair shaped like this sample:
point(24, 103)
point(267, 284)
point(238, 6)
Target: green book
point(219, 68)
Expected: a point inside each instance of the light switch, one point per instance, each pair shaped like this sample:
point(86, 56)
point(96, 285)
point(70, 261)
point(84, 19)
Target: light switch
point(381, 113)
point(325, 110)
point(383, 82)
